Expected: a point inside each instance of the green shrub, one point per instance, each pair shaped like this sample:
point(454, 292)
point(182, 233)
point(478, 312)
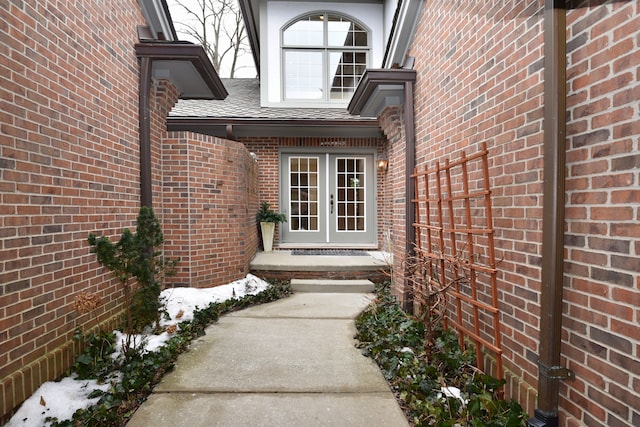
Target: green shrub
point(418, 367)
point(136, 262)
point(95, 361)
point(266, 214)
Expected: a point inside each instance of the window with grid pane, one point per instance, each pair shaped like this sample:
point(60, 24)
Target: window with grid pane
point(303, 193)
point(324, 56)
point(351, 189)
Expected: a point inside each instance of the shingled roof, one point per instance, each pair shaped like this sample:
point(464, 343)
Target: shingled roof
point(240, 114)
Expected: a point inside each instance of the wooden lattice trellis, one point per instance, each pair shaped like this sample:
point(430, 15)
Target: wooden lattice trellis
point(454, 253)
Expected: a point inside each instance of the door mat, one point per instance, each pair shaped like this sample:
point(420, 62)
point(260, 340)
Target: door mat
point(334, 252)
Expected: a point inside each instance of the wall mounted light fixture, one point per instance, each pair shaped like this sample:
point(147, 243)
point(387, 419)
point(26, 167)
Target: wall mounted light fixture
point(382, 164)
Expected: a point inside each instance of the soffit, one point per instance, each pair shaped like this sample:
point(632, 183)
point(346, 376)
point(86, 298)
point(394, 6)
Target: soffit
point(404, 24)
point(379, 89)
point(186, 65)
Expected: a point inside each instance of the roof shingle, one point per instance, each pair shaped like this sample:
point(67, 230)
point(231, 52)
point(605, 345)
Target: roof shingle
point(244, 102)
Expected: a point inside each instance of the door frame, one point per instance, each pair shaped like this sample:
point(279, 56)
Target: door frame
point(324, 151)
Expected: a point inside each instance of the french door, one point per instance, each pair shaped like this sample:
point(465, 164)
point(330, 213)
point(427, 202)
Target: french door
point(329, 199)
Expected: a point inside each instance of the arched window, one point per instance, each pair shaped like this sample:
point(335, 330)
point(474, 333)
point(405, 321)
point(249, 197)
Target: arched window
point(324, 56)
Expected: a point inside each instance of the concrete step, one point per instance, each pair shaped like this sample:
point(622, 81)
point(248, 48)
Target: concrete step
point(284, 265)
point(333, 286)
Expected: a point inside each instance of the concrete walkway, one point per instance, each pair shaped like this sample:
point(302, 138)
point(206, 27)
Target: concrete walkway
point(288, 363)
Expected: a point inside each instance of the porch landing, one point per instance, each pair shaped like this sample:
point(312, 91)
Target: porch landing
point(284, 265)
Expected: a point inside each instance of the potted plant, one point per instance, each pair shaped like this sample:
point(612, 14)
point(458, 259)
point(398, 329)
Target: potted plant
point(268, 219)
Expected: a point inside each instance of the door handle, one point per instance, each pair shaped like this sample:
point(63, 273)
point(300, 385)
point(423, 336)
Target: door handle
point(331, 203)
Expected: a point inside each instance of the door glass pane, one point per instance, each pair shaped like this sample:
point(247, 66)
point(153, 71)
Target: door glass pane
point(303, 194)
point(350, 192)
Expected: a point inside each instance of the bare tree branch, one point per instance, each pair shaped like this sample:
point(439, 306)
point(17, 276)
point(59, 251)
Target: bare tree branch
point(218, 26)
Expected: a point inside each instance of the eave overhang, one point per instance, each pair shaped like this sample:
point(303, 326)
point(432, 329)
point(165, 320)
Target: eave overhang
point(251, 26)
point(379, 89)
point(234, 128)
point(404, 24)
point(186, 65)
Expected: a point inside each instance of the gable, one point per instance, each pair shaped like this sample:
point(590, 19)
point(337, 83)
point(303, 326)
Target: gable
point(276, 15)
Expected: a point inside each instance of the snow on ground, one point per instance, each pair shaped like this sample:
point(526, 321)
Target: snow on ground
point(385, 257)
point(56, 399)
point(60, 399)
point(187, 299)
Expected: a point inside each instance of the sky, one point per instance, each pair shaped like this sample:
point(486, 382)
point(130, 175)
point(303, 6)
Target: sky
point(245, 69)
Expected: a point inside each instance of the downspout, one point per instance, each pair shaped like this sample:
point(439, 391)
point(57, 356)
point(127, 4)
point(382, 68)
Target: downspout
point(549, 371)
point(410, 159)
point(145, 131)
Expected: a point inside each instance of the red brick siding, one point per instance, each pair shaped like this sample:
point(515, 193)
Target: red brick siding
point(68, 166)
point(208, 203)
point(602, 282)
point(163, 97)
point(394, 202)
point(480, 78)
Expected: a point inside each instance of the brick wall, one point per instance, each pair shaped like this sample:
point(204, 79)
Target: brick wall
point(480, 78)
point(393, 204)
point(208, 202)
point(68, 166)
point(602, 280)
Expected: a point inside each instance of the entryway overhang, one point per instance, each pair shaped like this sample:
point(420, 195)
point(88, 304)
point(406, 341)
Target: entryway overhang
point(186, 65)
point(242, 115)
point(379, 89)
point(234, 128)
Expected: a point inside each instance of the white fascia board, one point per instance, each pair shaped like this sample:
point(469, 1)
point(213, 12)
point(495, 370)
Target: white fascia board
point(157, 19)
point(408, 18)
